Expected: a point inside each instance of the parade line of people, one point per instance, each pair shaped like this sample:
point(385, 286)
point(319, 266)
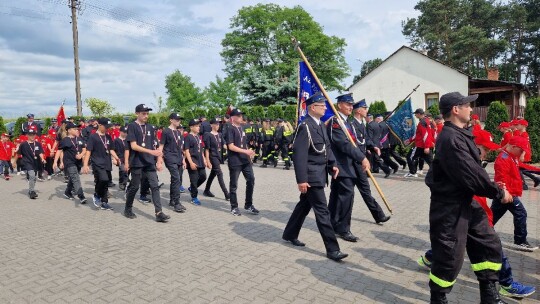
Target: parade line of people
point(452, 144)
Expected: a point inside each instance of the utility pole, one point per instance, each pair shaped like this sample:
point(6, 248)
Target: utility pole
point(74, 5)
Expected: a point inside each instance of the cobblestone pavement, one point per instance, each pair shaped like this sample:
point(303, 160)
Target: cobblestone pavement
point(54, 250)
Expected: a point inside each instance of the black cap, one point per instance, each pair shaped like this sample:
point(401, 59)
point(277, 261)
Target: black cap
point(123, 129)
point(419, 111)
point(378, 115)
point(142, 108)
point(70, 118)
point(227, 116)
point(214, 121)
point(345, 98)
point(194, 122)
point(175, 116)
point(180, 126)
point(236, 112)
point(70, 125)
point(105, 122)
point(449, 100)
point(30, 115)
point(438, 116)
point(317, 97)
point(279, 120)
point(361, 104)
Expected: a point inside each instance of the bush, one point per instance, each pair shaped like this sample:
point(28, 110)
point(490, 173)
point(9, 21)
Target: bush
point(496, 114)
point(275, 112)
point(2, 125)
point(532, 115)
point(290, 114)
point(17, 130)
point(48, 123)
point(377, 107)
point(117, 118)
point(434, 109)
point(257, 112)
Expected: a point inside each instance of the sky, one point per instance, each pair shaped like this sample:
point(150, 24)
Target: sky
point(127, 48)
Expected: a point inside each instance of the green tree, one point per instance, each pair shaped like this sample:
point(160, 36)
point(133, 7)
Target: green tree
point(377, 107)
point(532, 115)
point(17, 129)
point(2, 125)
point(182, 92)
point(257, 112)
point(48, 122)
point(290, 114)
point(222, 92)
point(159, 104)
point(99, 107)
point(367, 67)
point(496, 114)
point(274, 112)
point(434, 109)
point(260, 43)
point(117, 118)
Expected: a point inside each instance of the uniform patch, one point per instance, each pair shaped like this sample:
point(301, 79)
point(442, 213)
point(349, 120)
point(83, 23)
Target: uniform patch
point(504, 156)
point(336, 126)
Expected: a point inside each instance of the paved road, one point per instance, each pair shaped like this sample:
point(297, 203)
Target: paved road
point(57, 251)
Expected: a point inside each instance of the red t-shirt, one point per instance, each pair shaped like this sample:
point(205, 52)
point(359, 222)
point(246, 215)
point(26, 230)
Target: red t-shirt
point(507, 171)
point(6, 150)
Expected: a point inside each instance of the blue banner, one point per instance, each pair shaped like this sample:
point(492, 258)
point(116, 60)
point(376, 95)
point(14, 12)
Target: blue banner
point(307, 87)
point(402, 121)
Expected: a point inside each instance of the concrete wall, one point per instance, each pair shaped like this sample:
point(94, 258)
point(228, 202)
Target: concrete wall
point(401, 73)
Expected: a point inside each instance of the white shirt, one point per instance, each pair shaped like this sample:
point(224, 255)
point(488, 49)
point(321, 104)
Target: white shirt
point(316, 119)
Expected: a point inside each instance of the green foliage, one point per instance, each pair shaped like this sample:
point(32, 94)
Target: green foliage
point(367, 67)
point(117, 118)
point(532, 115)
point(258, 53)
point(222, 92)
point(2, 125)
point(17, 130)
point(290, 113)
point(48, 123)
point(99, 107)
point(77, 118)
point(434, 109)
point(377, 107)
point(274, 112)
point(182, 92)
point(496, 114)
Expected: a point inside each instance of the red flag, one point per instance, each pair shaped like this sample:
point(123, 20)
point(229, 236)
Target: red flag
point(229, 109)
point(61, 115)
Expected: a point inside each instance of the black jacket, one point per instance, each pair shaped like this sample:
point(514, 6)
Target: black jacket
point(456, 173)
point(363, 140)
point(309, 165)
point(343, 149)
point(374, 133)
point(384, 141)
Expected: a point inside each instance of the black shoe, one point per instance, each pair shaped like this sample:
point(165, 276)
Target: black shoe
point(395, 170)
point(275, 163)
point(384, 219)
point(32, 195)
point(525, 187)
point(69, 196)
point(129, 214)
point(179, 208)
point(336, 255)
point(404, 166)
point(264, 165)
point(208, 193)
point(536, 182)
point(227, 197)
point(489, 293)
point(387, 174)
point(111, 184)
point(162, 217)
point(438, 298)
point(287, 168)
point(348, 236)
point(295, 242)
point(484, 164)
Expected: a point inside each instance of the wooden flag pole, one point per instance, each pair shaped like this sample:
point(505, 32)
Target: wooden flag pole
point(339, 119)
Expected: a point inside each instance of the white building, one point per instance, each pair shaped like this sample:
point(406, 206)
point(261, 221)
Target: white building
point(401, 72)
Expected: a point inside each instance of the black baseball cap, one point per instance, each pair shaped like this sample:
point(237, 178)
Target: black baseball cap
point(30, 115)
point(194, 122)
point(214, 121)
point(70, 125)
point(236, 112)
point(449, 100)
point(175, 116)
point(419, 111)
point(123, 129)
point(105, 122)
point(142, 108)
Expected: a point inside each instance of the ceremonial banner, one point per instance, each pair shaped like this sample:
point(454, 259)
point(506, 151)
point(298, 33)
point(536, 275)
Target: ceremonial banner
point(401, 123)
point(308, 86)
point(61, 115)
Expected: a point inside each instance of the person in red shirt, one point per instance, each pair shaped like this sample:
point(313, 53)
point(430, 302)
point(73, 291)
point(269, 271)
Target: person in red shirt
point(484, 141)
point(506, 129)
point(475, 123)
point(6, 151)
point(424, 143)
point(507, 174)
point(439, 123)
point(49, 147)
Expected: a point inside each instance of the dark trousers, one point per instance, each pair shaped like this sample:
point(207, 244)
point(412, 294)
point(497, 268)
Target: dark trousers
point(340, 203)
point(529, 174)
point(49, 166)
point(196, 178)
point(385, 155)
point(19, 165)
point(505, 274)
point(285, 155)
point(175, 182)
point(520, 217)
point(216, 172)
point(316, 199)
point(396, 155)
point(74, 181)
point(101, 176)
point(377, 162)
point(234, 174)
point(122, 173)
point(39, 167)
point(362, 184)
point(414, 155)
point(136, 175)
point(145, 186)
point(456, 227)
point(4, 164)
point(268, 151)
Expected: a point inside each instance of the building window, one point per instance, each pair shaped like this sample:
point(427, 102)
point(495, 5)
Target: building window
point(431, 99)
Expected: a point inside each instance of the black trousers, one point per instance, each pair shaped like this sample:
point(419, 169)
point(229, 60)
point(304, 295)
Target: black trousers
point(175, 181)
point(268, 151)
point(362, 184)
point(234, 174)
point(101, 176)
point(137, 174)
point(216, 172)
point(385, 155)
point(340, 203)
point(453, 228)
point(285, 155)
point(414, 155)
point(49, 165)
point(316, 199)
point(122, 173)
point(377, 162)
point(396, 155)
point(196, 178)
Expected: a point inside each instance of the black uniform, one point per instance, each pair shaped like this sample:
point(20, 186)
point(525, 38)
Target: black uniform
point(213, 143)
point(268, 146)
point(173, 143)
point(312, 158)
point(385, 146)
point(342, 189)
point(239, 163)
point(100, 147)
point(361, 180)
point(282, 140)
point(394, 143)
point(198, 176)
point(120, 146)
point(374, 132)
point(205, 127)
point(455, 224)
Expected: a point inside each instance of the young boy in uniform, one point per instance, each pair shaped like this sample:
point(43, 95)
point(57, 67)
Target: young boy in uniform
point(6, 151)
point(195, 160)
point(71, 150)
point(213, 143)
point(172, 141)
point(99, 147)
point(32, 154)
